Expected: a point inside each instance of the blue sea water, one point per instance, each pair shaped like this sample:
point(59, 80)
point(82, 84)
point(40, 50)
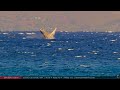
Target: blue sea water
point(70, 54)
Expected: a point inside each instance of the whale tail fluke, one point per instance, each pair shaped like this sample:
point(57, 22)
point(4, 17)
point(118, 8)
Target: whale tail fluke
point(53, 32)
point(48, 35)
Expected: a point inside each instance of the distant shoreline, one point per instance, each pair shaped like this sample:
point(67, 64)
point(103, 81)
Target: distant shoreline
point(66, 31)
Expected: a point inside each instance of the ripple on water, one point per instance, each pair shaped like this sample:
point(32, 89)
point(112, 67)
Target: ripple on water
point(86, 66)
point(33, 55)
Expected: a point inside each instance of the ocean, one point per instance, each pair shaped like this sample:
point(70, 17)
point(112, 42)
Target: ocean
point(84, 54)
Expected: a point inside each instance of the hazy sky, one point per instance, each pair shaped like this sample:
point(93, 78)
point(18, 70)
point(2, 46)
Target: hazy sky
point(63, 20)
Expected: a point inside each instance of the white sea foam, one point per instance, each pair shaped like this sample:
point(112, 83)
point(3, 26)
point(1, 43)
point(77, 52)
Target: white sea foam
point(23, 38)
point(113, 40)
point(48, 44)
point(5, 33)
point(95, 53)
point(118, 58)
point(21, 33)
point(115, 52)
point(30, 33)
point(78, 56)
point(109, 31)
point(84, 65)
point(52, 41)
point(70, 49)
point(59, 48)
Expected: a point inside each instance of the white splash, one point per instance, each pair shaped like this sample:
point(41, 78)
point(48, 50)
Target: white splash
point(109, 31)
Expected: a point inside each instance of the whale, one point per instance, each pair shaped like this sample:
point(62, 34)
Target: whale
point(47, 35)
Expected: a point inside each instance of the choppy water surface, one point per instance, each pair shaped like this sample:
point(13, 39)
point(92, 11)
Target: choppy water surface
point(70, 54)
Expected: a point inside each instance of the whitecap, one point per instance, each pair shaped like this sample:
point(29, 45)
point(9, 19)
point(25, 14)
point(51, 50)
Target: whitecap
point(118, 58)
point(78, 56)
point(84, 56)
point(113, 40)
point(84, 65)
point(70, 49)
point(28, 52)
point(48, 44)
point(115, 52)
point(23, 38)
point(30, 33)
point(5, 33)
point(95, 53)
point(21, 33)
point(32, 52)
point(33, 55)
point(59, 48)
point(109, 31)
point(52, 41)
